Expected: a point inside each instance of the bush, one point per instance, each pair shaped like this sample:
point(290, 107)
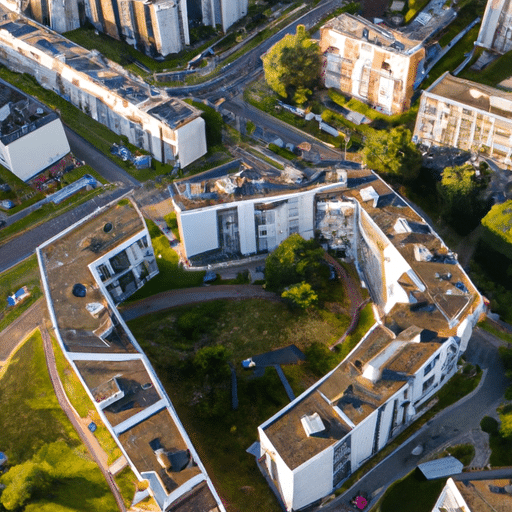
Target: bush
point(489, 425)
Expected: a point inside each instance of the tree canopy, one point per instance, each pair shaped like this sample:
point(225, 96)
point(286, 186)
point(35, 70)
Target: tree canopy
point(295, 261)
point(459, 195)
point(392, 153)
point(300, 295)
point(292, 66)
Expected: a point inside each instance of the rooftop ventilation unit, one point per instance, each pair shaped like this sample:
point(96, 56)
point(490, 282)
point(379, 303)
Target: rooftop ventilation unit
point(312, 424)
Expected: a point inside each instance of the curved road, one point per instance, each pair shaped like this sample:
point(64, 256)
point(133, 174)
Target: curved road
point(183, 296)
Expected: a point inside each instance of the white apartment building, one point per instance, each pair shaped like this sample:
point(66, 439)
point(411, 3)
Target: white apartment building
point(86, 271)
point(31, 136)
point(466, 115)
point(496, 28)
point(169, 129)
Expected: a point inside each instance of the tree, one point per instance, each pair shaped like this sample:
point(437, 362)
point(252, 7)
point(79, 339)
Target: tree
point(300, 295)
point(22, 481)
point(292, 66)
point(458, 191)
point(294, 261)
point(392, 153)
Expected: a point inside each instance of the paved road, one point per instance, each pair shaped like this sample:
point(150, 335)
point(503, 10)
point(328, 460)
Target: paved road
point(85, 151)
point(24, 245)
point(173, 298)
point(235, 74)
point(16, 331)
point(66, 407)
point(463, 416)
point(286, 132)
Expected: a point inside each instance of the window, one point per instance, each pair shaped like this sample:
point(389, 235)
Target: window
point(293, 212)
point(104, 272)
point(431, 365)
point(428, 383)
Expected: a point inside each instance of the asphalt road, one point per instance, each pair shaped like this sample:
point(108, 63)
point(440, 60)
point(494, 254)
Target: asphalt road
point(85, 151)
point(236, 73)
point(25, 244)
point(463, 416)
point(285, 131)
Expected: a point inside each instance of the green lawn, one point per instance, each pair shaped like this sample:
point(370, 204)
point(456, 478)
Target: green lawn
point(34, 427)
point(27, 274)
point(82, 403)
point(246, 328)
point(492, 74)
point(414, 493)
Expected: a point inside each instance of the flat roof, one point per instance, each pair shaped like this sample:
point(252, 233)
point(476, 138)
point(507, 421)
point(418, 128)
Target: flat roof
point(132, 379)
point(486, 495)
point(346, 388)
point(473, 94)
point(441, 468)
point(73, 252)
point(359, 28)
point(160, 427)
point(199, 499)
point(99, 69)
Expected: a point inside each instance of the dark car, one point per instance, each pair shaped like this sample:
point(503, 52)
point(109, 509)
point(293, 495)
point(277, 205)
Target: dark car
point(209, 277)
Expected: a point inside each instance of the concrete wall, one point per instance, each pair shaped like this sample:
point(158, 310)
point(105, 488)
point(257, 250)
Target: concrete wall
point(191, 141)
point(313, 479)
point(32, 153)
point(198, 230)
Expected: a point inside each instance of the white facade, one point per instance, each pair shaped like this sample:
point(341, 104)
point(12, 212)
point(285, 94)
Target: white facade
point(31, 153)
point(496, 28)
point(256, 225)
point(90, 82)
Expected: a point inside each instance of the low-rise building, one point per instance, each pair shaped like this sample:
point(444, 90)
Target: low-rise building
point(31, 136)
point(86, 270)
point(376, 65)
point(466, 115)
point(496, 29)
point(171, 130)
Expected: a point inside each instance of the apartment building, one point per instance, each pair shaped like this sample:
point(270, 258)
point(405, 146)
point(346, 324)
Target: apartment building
point(496, 29)
point(466, 115)
point(31, 136)
point(171, 130)
point(376, 65)
point(107, 257)
point(427, 308)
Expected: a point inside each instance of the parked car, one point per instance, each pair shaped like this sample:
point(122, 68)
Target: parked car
point(209, 277)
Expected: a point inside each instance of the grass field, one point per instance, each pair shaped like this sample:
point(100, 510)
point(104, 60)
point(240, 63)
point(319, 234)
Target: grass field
point(414, 493)
point(26, 274)
point(245, 328)
point(34, 427)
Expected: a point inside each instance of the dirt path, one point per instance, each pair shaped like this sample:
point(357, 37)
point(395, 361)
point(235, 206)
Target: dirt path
point(78, 423)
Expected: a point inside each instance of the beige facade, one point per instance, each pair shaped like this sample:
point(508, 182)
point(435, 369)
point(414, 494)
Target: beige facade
point(376, 65)
point(466, 115)
point(496, 28)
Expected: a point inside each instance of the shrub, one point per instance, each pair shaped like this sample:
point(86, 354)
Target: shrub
point(489, 425)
